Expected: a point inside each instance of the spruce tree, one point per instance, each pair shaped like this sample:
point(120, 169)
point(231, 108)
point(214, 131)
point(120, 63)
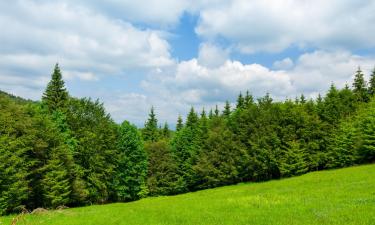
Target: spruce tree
point(216, 111)
point(360, 86)
point(166, 133)
point(150, 131)
point(226, 111)
point(192, 118)
point(180, 124)
point(131, 171)
point(248, 99)
point(55, 96)
point(240, 101)
point(372, 83)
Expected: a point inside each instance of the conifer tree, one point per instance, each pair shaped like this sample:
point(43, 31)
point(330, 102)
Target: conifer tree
point(192, 119)
point(248, 99)
point(216, 111)
point(367, 149)
point(210, 114)
point(372, 83)
point(55, 95)
point(150, 131)
point(240, 101)
point(166, 133)
point(131, 171)
point(360, 86)
point(226, 111)
point(180, 123)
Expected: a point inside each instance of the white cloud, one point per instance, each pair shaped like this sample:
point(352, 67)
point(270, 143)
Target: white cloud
point(211, 55)
point(283, 64)
point(89, 45)
point(274, 25)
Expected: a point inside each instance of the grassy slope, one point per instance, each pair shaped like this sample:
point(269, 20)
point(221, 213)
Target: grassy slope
point(344, 196)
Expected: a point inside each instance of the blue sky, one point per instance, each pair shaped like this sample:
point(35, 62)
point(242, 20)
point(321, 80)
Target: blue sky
point(174, 54)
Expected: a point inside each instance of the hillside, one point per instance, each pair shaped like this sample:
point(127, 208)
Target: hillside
point(343, 196)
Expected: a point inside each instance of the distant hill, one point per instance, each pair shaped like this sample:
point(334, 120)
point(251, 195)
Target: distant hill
point(16, 98)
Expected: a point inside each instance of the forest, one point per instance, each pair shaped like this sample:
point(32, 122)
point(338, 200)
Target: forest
point(67, 151)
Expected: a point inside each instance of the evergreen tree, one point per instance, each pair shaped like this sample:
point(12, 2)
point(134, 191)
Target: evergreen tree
point(367, 148)
point(240, 101)
point(192, 118)
point(292, 160)
point(150, 131)
point(226, 111)
point(131, 171)
point(163, 178)
point(216, 111)
point(360, 87)
point(166, 133)
point(372, 83)
point(180, 124)
point(55, 96)
point(248, 99)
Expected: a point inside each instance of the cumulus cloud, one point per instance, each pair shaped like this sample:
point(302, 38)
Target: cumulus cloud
point(191, 83)
point(89, 45)
point(273, 26)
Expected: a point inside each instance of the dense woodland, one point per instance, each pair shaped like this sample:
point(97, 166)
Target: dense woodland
point(68, 151)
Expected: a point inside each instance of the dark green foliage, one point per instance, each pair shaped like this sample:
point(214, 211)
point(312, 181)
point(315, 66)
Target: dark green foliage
point(360, 87)
point(226, 111)
point(13, 158)
point(165, 132)
point(163, 178)
point(222, 160)
point(96, 153)
point(151, 132)
point(180, 123)
point(55, 95)
point(372, 83)
point(240, 101)
point(131, 170)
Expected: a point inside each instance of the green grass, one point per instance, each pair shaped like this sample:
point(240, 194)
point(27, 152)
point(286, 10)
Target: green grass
point(344, 196)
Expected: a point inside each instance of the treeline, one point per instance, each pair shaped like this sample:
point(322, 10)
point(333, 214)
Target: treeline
point(68, 151)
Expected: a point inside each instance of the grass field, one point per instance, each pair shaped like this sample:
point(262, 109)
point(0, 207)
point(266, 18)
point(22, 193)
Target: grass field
point(344, 196)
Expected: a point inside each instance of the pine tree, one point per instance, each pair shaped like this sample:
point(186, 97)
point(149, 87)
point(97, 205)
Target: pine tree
point(240, 101)
point(55, 183)
point(55, 96)
point(150, 131)
point(360, 86)
point(372, 83)
point(216, 111)
point(180, 123)
point(131, 171)
point(226, 111)
point(248, 99)
point(192, 118)
point(166, 133)
point(367, 149)
point(302, 99)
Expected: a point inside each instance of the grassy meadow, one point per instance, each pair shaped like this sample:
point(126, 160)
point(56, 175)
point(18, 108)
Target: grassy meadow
point(343, 196)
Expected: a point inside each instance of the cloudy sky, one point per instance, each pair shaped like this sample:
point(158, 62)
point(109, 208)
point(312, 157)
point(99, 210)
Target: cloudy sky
point(174, 54)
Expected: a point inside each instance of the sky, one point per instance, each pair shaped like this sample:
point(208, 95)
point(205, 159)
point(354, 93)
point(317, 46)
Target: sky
point(175, 54)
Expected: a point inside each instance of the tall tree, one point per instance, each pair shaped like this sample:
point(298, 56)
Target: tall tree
point(180, 123)
point(360, 86)
point(240, 101)
point(131, 170)
point(372, 83)
point(192, 118)
point(166, 133)
point(55, 95)
point(226, 111)
point(151, 132)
